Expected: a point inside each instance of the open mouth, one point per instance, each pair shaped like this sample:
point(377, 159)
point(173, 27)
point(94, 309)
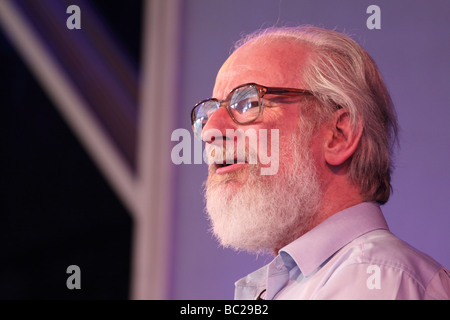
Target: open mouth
point(229, 165)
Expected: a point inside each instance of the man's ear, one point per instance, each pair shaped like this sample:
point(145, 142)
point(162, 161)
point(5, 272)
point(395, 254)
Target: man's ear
point(342, 138)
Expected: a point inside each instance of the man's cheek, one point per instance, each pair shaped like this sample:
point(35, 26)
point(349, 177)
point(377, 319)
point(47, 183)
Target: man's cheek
point(269, 163)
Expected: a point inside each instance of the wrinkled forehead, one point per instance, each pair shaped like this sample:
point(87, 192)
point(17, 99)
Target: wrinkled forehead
point(276, 63)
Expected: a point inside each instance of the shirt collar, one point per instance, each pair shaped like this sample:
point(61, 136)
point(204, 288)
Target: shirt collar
point(317, 245)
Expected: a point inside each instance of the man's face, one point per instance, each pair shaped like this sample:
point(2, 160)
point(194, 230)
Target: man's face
point(249, 210)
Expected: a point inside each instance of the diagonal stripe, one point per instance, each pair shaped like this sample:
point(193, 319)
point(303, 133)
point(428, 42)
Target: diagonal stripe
point(96, 68)
point(70, 103)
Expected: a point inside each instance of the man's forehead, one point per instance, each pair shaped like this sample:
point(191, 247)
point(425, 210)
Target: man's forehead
point(273, 64)
point(230, 78)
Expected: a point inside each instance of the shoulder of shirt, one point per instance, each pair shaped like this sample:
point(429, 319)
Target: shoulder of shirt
point(383, 249)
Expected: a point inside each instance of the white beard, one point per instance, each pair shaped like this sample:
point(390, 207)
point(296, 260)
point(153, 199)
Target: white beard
point(264, 213)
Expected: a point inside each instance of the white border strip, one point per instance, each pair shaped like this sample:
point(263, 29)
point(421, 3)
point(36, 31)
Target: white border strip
point(152, 244)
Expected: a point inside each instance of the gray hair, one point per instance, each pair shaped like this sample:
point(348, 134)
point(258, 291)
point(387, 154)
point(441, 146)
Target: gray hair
point(340, 72)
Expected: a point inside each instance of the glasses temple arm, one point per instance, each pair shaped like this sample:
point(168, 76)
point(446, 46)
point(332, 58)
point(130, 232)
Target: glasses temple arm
point(283, 91)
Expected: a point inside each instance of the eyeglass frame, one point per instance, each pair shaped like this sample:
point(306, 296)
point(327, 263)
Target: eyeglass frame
point(262, 91)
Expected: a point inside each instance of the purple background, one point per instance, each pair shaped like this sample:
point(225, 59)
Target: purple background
point(411, 50)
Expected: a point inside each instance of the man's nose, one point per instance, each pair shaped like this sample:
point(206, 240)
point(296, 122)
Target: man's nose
point(219, 122)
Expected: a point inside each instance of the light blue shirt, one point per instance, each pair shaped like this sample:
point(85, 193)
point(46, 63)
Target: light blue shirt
point(351, 255)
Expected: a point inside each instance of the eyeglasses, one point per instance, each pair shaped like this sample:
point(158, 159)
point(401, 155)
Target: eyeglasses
point(244, 104)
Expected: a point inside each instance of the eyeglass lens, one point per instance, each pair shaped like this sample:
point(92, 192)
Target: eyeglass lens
point(244, 106)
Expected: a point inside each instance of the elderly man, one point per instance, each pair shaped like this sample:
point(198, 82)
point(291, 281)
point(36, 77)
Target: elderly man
point(322, 97)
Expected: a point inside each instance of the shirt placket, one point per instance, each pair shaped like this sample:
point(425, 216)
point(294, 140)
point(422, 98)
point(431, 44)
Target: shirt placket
point(277, 278)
